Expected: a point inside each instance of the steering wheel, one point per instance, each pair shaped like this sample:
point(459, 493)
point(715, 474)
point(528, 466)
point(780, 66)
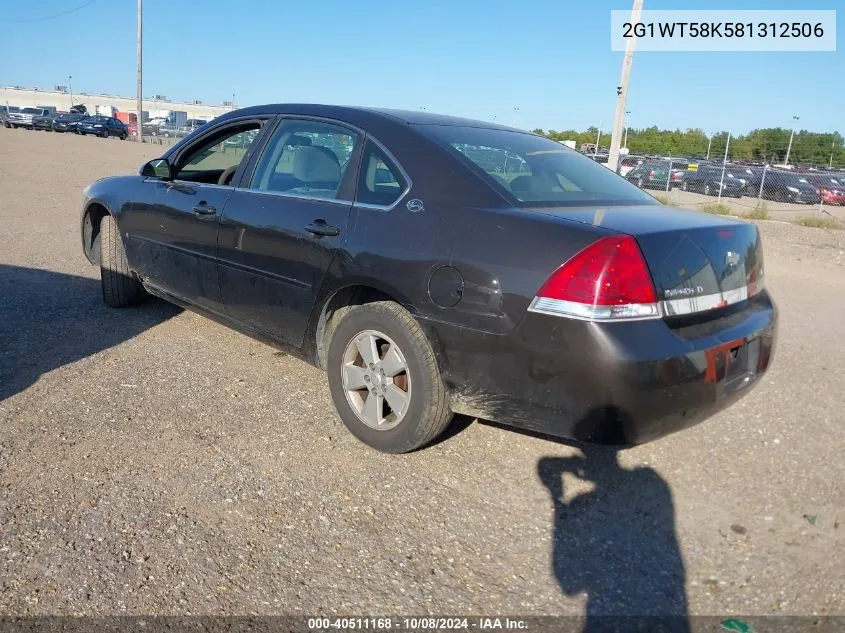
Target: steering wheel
point(227, 175)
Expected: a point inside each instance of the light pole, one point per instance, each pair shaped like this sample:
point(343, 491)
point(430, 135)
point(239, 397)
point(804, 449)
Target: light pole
point(627, 112)
point(598, 139)
point(709, 143)
point(622, 91)
point(789, 148)
point(139, 99)
point(70, 89)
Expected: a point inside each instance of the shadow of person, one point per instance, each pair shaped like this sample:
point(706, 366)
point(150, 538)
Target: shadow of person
point(616, 543)
point(50, 319)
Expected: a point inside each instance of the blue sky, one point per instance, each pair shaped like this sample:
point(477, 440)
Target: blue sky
point(551, 59)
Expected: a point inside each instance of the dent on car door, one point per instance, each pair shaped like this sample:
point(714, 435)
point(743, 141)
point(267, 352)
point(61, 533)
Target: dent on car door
point(281, 229)
point(172, 229)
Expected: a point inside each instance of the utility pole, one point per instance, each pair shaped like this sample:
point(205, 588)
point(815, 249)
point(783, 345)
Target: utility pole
point(70, 89)
point(627, 112)
point(140, 104)
point(789, 148)
point(598, 140)
point(622, 90)
point(724, 165)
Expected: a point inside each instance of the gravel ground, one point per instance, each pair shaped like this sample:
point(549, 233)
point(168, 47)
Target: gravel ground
point(154, 462)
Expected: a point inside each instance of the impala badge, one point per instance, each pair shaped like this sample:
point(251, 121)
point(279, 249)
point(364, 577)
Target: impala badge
point(415, 205)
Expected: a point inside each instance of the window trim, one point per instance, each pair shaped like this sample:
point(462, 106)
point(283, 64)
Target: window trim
point(393, 163)
point(353, 165)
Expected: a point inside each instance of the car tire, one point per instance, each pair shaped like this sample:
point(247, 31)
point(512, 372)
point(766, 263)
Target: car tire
point(685, 186)
point(123, 136)
point(120, 288)
point(707, 190)
point(105, 134)
point(640, 183)
point(398, 342)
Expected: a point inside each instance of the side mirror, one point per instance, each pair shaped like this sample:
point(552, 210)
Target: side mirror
point(157, 168)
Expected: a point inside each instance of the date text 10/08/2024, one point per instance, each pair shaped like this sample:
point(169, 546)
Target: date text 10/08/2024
point(416, 624)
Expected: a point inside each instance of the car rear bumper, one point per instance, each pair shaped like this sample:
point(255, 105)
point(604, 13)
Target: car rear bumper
point(621, 383)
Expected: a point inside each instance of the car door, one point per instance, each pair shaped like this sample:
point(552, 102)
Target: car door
point(283, 226)
point(171, 231)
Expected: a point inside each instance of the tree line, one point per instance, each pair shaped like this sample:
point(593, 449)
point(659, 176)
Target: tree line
point(768, 145)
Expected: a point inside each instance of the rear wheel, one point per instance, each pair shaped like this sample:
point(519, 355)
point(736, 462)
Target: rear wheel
point(384, 379)
point(120, 288)
point(123, 136)
point(707, 190)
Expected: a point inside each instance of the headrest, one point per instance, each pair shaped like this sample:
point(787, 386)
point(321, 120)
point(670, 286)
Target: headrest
point(312, 165)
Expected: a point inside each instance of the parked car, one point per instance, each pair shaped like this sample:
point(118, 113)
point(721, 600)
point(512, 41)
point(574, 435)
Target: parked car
point(709, 180)
point(627, 163)
point(785, 186)
point(167, 130)
point(24, 116)
point(425, 284)
point(67, 122)
point(831, 190)
point(650, 174)
point(103, 126)
point(43, 122)
point(4, 114)
point(193, 124)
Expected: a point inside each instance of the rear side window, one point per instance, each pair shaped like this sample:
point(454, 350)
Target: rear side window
point(379, 181)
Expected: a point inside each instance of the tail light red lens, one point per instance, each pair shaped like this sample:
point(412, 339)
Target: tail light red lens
point(607, 280)
point(651, 174)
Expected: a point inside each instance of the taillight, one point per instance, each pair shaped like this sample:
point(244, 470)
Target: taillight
point(651, 174)
point(607, 280)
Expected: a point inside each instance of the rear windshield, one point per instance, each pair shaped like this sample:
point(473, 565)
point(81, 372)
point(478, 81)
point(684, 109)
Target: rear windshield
point(31, 111)
point(535, 170)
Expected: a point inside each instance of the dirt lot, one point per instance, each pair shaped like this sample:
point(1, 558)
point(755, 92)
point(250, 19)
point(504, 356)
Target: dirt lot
point(154, 462)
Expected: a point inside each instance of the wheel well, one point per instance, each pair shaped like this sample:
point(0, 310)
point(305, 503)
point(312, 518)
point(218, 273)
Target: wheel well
point(94, 215)
point(334, 308)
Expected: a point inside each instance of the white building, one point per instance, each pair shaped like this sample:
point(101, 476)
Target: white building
point(61, 100)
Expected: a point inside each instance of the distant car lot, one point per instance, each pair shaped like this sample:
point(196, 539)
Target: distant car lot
point(155, 462)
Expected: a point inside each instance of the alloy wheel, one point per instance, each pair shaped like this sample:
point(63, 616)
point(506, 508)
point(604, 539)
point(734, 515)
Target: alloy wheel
point(376, 380)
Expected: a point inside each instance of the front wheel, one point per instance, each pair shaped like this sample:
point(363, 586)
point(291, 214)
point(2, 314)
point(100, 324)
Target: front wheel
point(120, 288)
point(384, 378)
point(123, 136)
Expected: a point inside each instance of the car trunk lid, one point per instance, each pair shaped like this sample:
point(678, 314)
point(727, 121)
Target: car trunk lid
point(698, 262)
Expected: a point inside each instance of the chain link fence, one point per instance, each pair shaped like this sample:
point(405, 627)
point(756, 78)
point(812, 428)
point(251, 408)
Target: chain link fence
point(765, 174)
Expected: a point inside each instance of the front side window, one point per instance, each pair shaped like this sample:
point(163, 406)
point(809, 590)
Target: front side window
point(535, 170)
point(215, 159)
point(305, 158)
point(379, 182)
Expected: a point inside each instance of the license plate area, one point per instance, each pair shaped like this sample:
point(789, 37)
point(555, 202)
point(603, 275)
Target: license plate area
point(740, 365)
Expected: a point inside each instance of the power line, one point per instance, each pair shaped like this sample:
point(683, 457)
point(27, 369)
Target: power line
point(49, 17)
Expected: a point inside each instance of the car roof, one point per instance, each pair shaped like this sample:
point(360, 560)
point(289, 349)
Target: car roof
point(360, 115)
